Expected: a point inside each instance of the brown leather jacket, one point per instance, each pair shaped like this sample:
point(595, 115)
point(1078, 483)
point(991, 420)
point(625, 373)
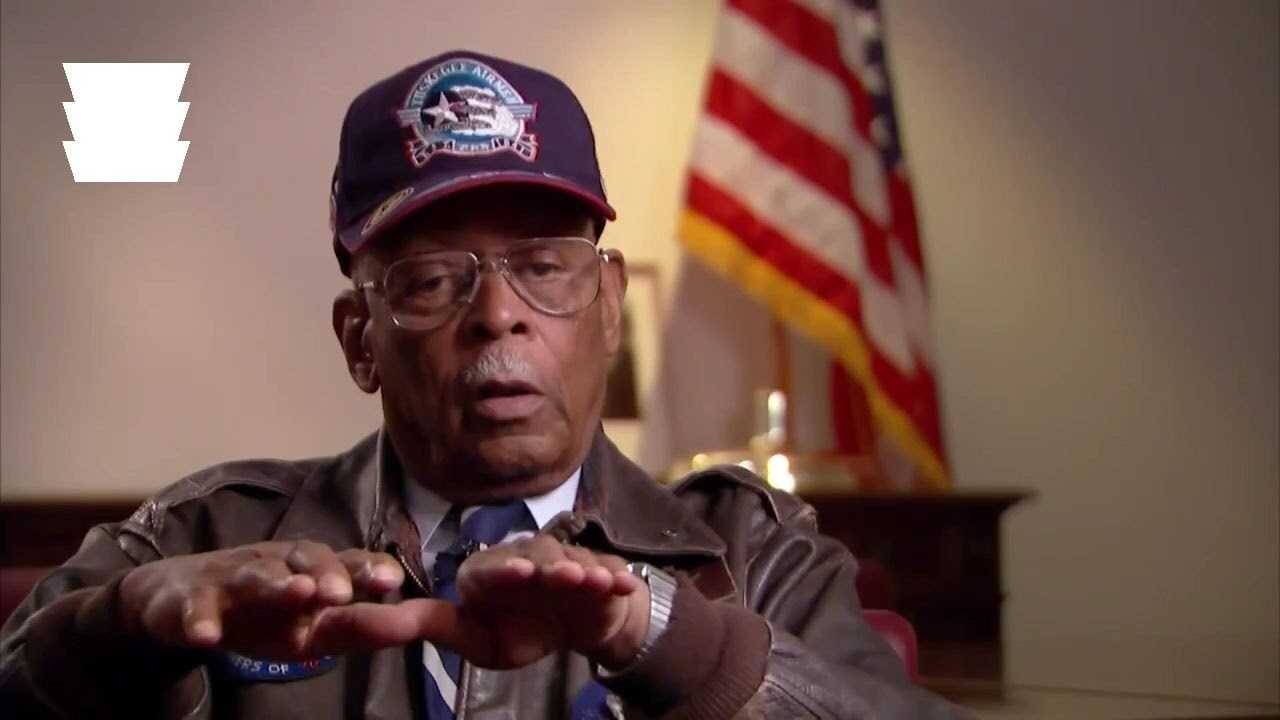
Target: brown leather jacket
point(766, 622)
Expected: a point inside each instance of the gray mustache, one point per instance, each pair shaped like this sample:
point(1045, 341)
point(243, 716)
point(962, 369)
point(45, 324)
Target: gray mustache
point(499, 362)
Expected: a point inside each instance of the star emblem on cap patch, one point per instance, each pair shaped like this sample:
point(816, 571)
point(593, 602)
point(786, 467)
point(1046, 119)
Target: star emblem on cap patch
point(463, 107)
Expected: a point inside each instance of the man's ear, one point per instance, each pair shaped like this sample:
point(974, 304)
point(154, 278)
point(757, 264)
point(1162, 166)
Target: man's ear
point(613, 290)
point(352, 324)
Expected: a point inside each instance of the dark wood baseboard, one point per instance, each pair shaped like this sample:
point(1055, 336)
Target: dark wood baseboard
point(47, 532)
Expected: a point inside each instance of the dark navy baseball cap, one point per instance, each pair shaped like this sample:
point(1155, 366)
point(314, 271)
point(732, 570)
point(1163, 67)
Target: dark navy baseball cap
point(456, 121)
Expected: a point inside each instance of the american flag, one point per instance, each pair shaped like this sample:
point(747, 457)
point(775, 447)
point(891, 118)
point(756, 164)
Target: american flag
point(798, 194)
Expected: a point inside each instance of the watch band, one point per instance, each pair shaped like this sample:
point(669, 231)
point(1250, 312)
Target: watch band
point(662, 595)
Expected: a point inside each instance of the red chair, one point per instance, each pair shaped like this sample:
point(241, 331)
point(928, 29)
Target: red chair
point(900, 635)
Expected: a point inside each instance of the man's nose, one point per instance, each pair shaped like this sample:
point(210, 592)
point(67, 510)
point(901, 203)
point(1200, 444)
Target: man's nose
point(496, 309)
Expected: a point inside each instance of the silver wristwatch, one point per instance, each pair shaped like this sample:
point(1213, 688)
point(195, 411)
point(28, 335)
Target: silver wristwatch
point(662, 594)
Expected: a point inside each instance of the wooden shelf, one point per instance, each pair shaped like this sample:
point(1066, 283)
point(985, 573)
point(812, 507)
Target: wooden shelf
point(940, 555)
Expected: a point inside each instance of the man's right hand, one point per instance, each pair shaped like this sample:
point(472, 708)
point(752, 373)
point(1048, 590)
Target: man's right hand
point(266, 600)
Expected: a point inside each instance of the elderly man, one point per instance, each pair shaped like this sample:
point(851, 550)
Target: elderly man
point(487, 553)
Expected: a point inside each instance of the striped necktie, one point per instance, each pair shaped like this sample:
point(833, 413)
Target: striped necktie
point(482, 527)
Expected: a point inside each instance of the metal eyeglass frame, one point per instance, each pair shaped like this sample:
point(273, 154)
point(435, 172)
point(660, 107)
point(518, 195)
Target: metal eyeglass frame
point(498, 265)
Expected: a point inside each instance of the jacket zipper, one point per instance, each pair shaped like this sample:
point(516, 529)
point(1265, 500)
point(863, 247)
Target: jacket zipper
point(417, 581)
point(465, 681)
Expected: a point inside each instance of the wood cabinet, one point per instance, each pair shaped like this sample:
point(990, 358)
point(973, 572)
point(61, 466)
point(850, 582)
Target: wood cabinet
point(941, 559)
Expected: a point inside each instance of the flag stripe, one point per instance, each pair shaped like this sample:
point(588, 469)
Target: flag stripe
point(789, 74)
point(816, 318)
point(820, 31)
point(816, 39)
point(806, 153)
point(810, 98)
point(791, 144)
point(850, 24)
point(724, 156)
point(806, 93)
point(914, 303)
point(783, 199)
point(785, 258)
point(903, 212)
point(773, 247)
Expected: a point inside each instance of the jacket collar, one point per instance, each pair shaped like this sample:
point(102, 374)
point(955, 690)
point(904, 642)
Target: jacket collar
point(635, 514)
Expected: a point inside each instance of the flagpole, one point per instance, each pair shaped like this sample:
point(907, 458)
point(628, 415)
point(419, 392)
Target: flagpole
point(782, 375)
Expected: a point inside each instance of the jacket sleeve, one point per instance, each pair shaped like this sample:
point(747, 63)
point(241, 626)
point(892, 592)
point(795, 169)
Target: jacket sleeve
point(795, 646)
point(62, 654)
point(824, 660)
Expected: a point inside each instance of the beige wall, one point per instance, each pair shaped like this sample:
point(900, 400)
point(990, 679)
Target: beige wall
point(1099, 192)
point(151, 330)
point(1098, 187)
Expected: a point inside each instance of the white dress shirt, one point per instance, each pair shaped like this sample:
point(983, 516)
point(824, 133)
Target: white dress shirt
point(439, 529)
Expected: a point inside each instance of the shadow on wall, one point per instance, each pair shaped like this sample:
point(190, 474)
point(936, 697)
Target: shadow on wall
point(715, 352)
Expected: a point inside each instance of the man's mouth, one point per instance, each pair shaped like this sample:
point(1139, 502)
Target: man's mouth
point(506, 400)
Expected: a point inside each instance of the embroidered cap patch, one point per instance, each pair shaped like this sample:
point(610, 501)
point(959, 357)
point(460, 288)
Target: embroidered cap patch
point(463, 107)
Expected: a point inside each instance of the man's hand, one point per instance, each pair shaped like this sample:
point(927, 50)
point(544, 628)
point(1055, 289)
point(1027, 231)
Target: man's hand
point(525, 599)
point(283, 601)
point(528, 598)
point(268, 600)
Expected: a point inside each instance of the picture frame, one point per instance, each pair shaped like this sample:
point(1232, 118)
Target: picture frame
point(634, 371)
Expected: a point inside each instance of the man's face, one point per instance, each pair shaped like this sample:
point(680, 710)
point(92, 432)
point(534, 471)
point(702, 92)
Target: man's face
point(501, 399)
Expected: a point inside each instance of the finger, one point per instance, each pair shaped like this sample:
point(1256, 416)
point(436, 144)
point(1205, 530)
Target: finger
point(583, 570)
point(372, 572)
point(268, 581)
point(597, 577)
point(590, 607)
point(364, 627)
point(581, 555)
point(554, 566)
point(503, 554)
point(613, 562)
point(234, 557)
point(625, 582)
point(202, 616)
point(333, 583)
point(562, 574)
point(544, 550)
point(489, 577)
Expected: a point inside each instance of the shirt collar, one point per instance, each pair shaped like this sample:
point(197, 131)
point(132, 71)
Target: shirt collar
point(560, 499)
point(428, 509)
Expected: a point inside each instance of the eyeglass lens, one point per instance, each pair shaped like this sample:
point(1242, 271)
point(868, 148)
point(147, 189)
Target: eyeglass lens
point(554, 275)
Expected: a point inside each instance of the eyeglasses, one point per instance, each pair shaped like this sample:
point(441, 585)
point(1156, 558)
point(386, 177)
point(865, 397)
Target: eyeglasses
point(557, 276)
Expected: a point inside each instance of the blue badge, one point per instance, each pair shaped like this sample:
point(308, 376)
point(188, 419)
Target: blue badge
point(595, 703)
point(462, 107)
point(250, 669)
